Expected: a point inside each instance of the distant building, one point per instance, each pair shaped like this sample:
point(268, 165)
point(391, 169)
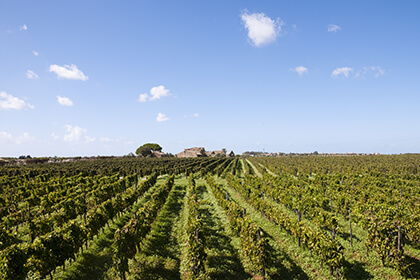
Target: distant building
point(215, 153)
point(158, 154)
point(192, 152)
point(199, 152)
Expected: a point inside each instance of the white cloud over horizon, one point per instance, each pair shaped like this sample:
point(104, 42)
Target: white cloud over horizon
point(55, 136)
point(6, 137)
point(35, 53)
point(69, 72)
point(23, 27)
point(345, 71)
point(162, 117)
point(262, 30)
point(76, 133)
point(333, 28)
point(31, 75)
point(10, 102)
point(24, 138)
point(64, 101)
point(105, 139)
point(300, 70)
point(155, 93)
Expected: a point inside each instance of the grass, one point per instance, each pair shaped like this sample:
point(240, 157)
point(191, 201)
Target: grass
point(222, 245)
point(181, 233)
point(160, 254)
point(256, 172)
point(240, 173)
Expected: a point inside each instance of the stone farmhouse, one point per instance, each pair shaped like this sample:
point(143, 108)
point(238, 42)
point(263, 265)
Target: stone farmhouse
point(158, 154)
point(199, 152)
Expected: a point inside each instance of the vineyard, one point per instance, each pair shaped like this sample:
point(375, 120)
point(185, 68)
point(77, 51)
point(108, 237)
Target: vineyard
point(291, 217)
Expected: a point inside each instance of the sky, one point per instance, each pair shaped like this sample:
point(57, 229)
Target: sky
point(88, 78)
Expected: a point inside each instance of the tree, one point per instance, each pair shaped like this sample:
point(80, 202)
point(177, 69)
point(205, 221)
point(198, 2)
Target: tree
point(143, 151)
point(153, 146)
point(147, 149)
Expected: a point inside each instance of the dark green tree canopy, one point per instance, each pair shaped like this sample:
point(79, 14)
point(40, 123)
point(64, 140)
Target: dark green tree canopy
point(153, 146)
point(143, 151)
point(147, 149)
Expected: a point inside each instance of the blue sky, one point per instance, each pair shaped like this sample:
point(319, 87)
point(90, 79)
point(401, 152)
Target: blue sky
point(86, 78)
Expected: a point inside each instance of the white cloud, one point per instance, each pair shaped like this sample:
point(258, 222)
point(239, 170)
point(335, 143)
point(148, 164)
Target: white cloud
point(76, 133)
point(8, 101)
point(143, 97)
point(89, 139)
point(31, 75)
point(155, 93)
point(333, 28)
point(55, 136)
point(70, 72)
point(378, 71)
point(23, 27)
point(24, 138)
point(64, 101)
point(262, 30)
point(345, 71)
point(7, 138)
point(195, 115)
point(35, 53)
point(158, 92)
point(105, 139)
point(161, 118)
point(300, 70)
